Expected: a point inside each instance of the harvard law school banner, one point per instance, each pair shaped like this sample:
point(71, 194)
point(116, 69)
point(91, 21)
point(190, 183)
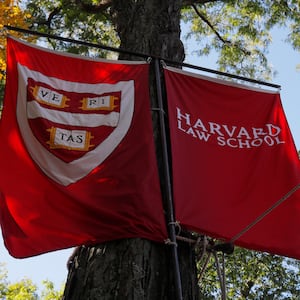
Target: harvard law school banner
point(77, 154)
point(233, 159)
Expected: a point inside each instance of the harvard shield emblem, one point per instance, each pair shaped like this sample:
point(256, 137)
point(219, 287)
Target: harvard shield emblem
point(69, 128)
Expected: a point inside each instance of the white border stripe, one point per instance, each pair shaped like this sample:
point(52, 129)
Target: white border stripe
point(34, 110)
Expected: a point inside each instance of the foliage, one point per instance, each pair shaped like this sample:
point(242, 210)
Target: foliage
point(239, 32)
point(49, 292)
point(10, 14)
point(253, 275)
point(68, 19)
point(25, 289)
point(63, 18)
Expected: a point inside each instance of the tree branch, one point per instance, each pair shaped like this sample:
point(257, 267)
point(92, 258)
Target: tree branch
point(204, 19)
point(224, 41)
point(48, 21)
point(94, 8)
point(192, 2)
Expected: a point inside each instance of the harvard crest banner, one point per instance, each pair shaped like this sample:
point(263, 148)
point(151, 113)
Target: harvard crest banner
point(77, 158)
point(234, 163)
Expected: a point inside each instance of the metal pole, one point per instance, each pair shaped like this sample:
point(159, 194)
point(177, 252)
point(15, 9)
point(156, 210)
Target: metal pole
point(83, 43)
point(143, 55)
point(168, 188)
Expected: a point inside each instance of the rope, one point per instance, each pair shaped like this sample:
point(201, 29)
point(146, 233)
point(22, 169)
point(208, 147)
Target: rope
point(177, 225)
point(201, 273)
point(224, 275)
point(221, 276)
point(265, 213)
point(204, 246)
point(208, 248)
point(220, 271)
point(169, 242)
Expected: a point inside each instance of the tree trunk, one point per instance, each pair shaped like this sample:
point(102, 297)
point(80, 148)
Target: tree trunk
point(137, 269)
point(149, 27)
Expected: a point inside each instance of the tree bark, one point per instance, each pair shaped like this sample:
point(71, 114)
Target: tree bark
point(149, 26)
point(137, 269)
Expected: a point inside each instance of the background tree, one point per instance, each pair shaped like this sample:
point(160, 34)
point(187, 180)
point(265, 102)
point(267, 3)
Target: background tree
point(25, 289)
point(240, 33)
point(253, 275)
point(10, 14)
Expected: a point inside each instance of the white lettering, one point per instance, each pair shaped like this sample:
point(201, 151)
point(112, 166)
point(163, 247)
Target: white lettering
point(185, 116)
point(203, 135)
point(244, 143)
point(257, 142)
point(191, 132)
point(277, 140)
point(230, 143)
point(229, 135)
point(273, 130)
point(229, 132)
point(268, 140)
point(199, 124)
point(257, 132)
point(243, 132)
point(221, 141)
point(179, 125)
point(215, 128)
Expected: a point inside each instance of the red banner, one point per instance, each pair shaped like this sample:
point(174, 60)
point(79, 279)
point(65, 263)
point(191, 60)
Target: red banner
point(77, 158)
point(235, 166)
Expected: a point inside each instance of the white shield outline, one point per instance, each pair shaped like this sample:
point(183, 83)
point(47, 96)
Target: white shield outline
point(58, 170)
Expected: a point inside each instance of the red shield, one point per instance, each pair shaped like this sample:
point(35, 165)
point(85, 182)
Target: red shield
point(69, 128)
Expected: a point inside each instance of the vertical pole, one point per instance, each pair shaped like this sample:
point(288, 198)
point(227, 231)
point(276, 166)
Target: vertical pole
point(168, 188)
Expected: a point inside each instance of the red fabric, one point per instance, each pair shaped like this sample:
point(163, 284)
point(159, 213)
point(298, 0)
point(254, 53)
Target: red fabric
point(41, 210)
point(233, 158)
